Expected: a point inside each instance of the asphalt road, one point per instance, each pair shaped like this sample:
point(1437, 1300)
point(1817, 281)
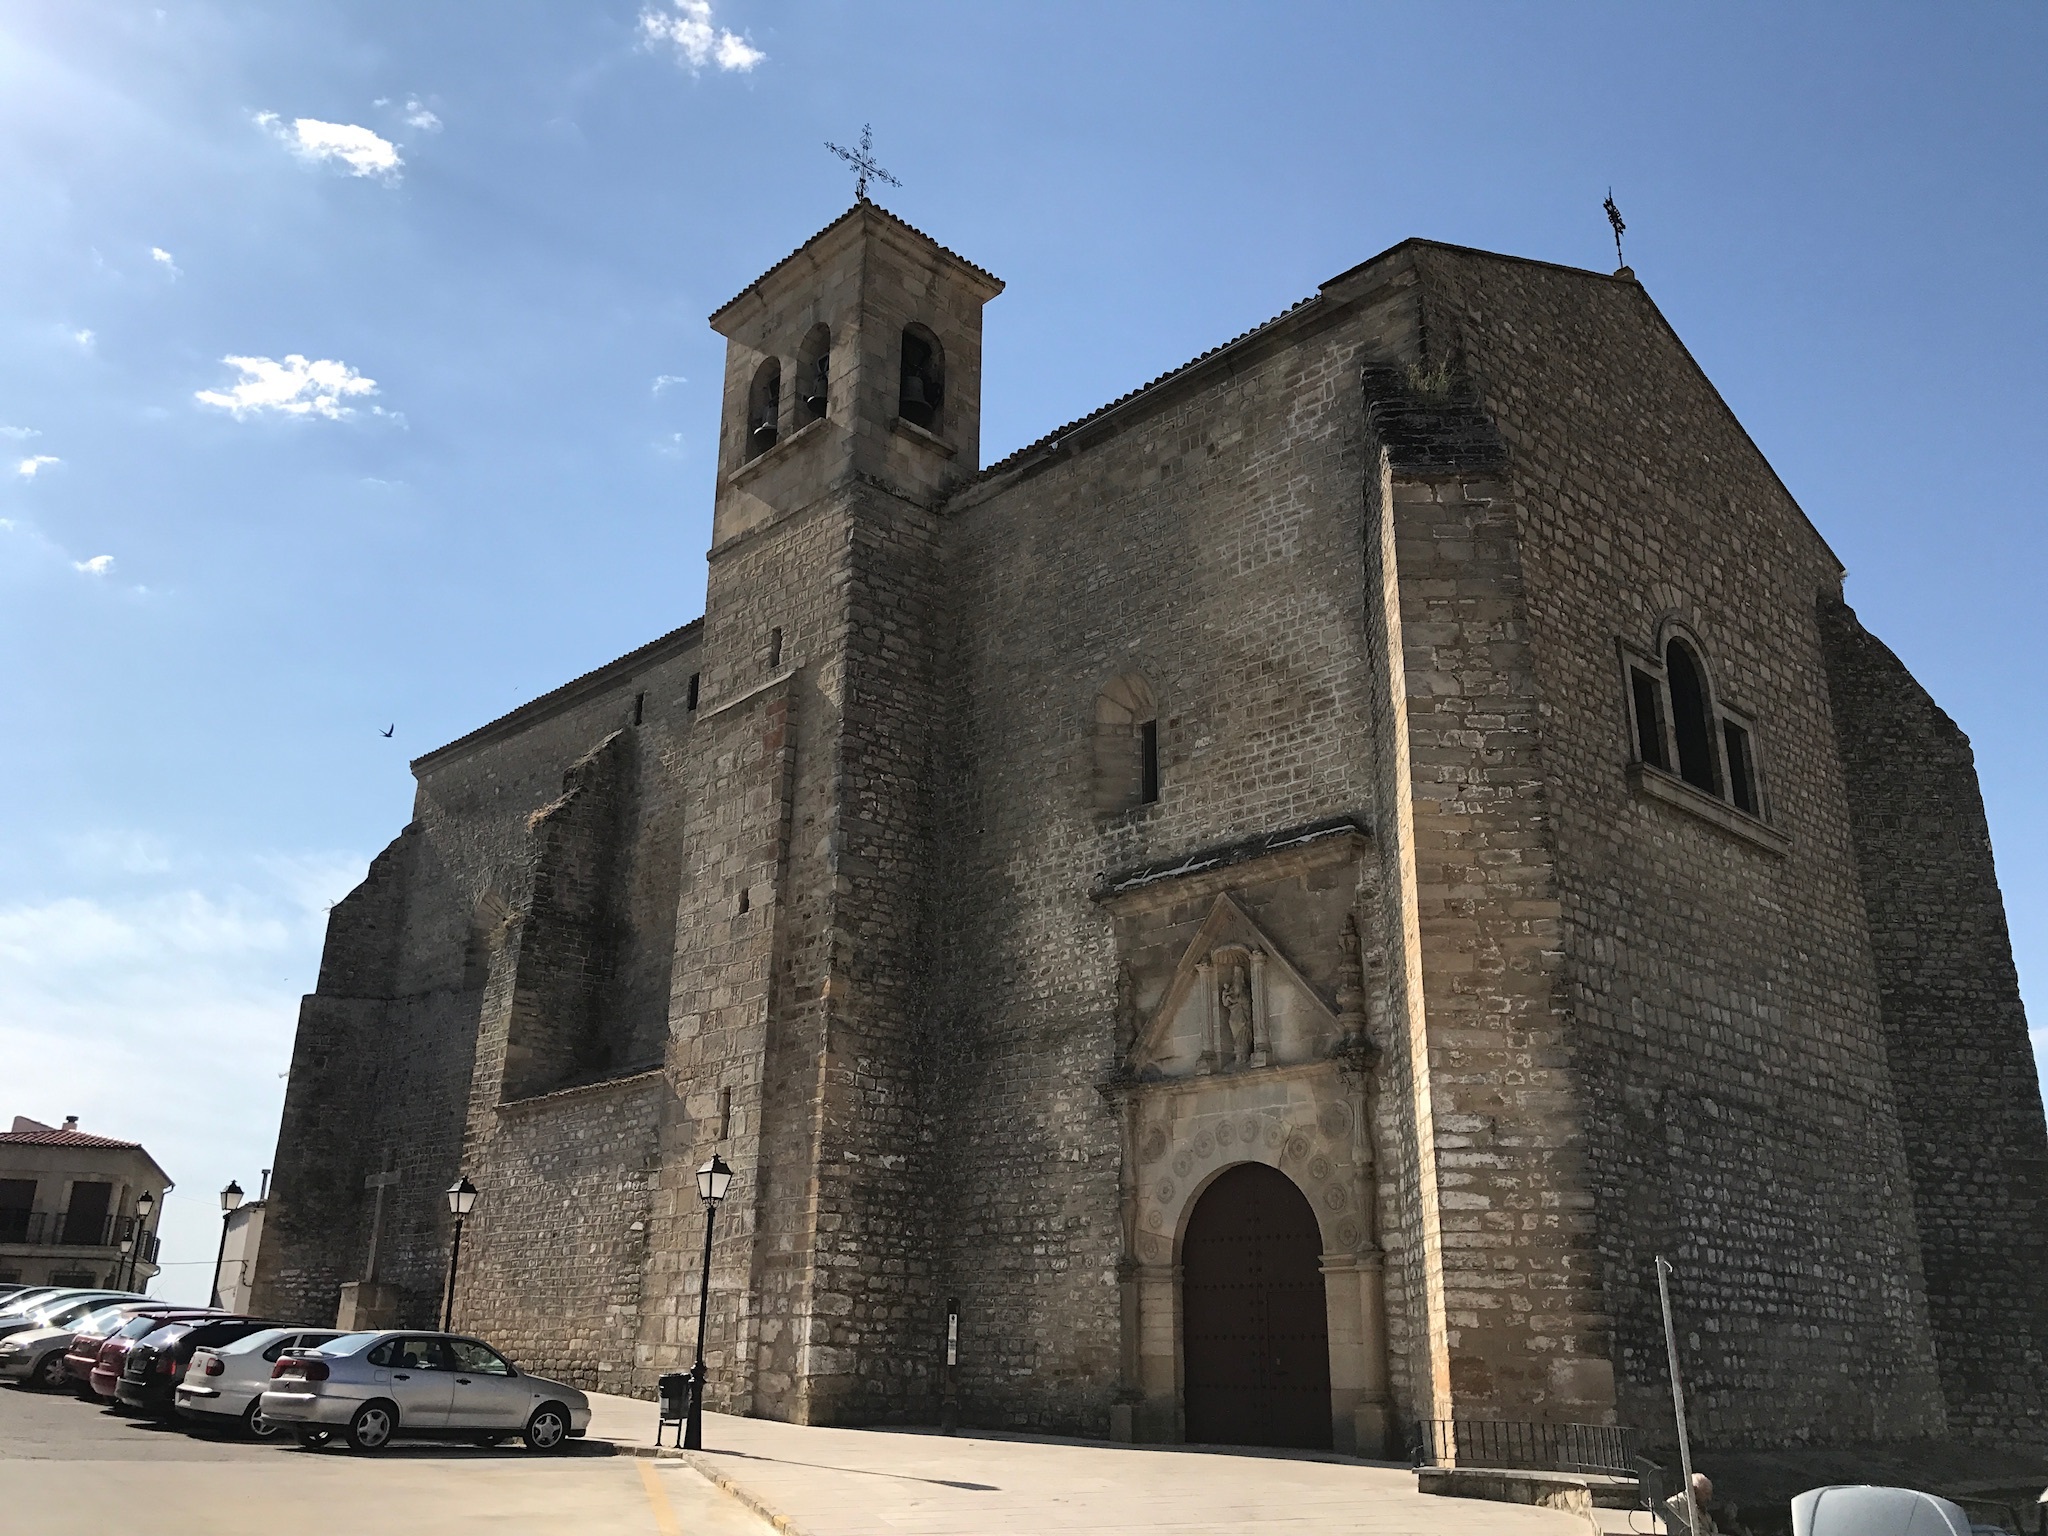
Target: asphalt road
point(70, 1469)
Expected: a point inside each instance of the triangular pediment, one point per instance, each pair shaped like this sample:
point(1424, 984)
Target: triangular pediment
point(1236, 1002)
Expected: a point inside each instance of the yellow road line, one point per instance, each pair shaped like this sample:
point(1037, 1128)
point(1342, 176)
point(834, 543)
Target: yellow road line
point(657, 1499)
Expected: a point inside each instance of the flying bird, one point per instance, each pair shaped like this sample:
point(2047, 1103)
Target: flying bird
point(389, 729)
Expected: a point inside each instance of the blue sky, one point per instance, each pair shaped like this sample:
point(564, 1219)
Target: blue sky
point(490, 236)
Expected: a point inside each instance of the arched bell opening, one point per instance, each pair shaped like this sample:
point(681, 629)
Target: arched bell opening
point(764, 409)
point(1255, 1336)
point(921, 385)
point(814, 376)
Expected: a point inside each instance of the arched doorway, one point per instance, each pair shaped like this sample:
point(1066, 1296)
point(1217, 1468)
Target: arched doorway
point(1255, 1336)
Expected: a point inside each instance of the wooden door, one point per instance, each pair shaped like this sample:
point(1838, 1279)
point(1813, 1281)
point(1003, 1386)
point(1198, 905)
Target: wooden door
point(1255, 1337)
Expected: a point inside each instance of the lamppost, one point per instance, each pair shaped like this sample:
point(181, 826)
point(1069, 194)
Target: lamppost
point(135, 1249)
point(461, 1200)
point(229, 1199)
point(713, 1179)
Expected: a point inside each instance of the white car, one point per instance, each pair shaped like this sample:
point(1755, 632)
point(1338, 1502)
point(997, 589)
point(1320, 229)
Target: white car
point(373, 1388)
point(224, 1385)
point(36, 1355)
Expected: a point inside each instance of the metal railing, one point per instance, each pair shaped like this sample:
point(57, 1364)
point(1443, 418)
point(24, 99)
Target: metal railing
point(1522, 1446)
point(61, 1229)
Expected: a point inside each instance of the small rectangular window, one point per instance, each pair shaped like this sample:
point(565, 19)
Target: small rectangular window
point(639, 707)
point(1649, 702)
point(1741, 769)
point(746, 898)
point(775, 647)
point(692, 704)
point(724, 1113)
point(1148, 762)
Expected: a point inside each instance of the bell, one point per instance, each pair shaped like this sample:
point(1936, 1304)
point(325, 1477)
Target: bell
point(913, 390)
point(765, 427)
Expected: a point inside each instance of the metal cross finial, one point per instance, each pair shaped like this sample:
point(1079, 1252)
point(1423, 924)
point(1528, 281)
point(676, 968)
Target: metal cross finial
point(1614, 218)
point(863, 163)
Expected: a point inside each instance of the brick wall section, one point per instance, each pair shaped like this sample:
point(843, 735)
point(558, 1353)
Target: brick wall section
point(1724, 1011)
point(1961, 1066)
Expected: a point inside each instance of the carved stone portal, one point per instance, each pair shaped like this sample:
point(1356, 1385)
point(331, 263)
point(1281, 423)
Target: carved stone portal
point(1235, 1003)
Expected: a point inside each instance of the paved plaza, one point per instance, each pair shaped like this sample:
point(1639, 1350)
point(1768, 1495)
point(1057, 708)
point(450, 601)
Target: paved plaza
point(68, 1469)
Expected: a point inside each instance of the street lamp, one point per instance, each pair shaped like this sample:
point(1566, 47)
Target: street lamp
point(144, 1204)
point(461, 1200)
point(126, 1268)
point(713, 1180)
point(229, 1199)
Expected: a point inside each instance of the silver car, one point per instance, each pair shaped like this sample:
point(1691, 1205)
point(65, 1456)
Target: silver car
point(372, 1388)
point(36, 1355)
point(224, 1384)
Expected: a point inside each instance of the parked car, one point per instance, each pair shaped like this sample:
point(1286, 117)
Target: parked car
point(374, 1387)
point(36, 1355)
point(156, 1363)
point(48, 1311)
point(223, 1386)
point(103, 1377)
point(86, 1344)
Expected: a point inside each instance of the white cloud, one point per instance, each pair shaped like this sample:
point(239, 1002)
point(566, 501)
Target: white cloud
point(35, 464)
point(418, 116)
point(364, 153)
point(162, 258)
point(99, 982)
point(117, 851)
point(663, 380)
point(85, 339)
point(697, 41)
point(19, 434)
point(293, 387)
point(98, 565)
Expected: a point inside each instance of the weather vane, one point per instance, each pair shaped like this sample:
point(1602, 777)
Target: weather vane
point(863, 163)
point(1614, 218)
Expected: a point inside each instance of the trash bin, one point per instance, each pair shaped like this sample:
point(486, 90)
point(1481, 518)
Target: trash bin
point(674, 1388)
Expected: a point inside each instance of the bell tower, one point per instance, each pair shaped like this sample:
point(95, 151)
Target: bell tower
point(852, 406)
point(858, 354)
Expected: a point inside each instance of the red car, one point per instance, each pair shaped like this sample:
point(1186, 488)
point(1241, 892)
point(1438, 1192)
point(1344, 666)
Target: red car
point(99, 1374)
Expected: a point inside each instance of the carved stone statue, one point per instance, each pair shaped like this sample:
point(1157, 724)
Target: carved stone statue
point(1237, 1014)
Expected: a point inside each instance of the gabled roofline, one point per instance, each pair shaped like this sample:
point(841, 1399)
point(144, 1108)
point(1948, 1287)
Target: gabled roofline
point(862, 209)
point(1221, 356)
point(571, 693)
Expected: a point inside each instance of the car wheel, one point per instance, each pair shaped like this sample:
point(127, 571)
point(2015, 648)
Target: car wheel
point(313, 1439)
point(372, 1427)
point(48, 1374)
point(254, 1425)
point(548, 1428)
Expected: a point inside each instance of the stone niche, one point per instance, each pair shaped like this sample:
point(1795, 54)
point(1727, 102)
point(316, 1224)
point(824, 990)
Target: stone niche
point(1246, 1040)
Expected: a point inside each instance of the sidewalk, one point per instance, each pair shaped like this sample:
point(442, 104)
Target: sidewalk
point(880, 1482)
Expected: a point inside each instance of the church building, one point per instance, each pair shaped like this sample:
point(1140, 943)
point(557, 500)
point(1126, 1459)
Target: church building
point(1279, 900)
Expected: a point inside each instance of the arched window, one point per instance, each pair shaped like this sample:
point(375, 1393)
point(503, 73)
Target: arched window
point(1692, 718)
point(1126, 744)
point(764, 408)
point(921, 394)
point(1682, 729)
point(814, 376)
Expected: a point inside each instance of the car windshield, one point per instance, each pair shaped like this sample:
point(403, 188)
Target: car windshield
point(348, 1343)
point(73, 1311)
point(25, 1302)
point(137, 1327)
point(103, 1321)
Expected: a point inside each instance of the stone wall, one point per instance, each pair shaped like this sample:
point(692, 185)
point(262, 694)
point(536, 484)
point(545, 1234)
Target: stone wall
point(1209, 543)
point(1961, 1067)
point(1724, 1014)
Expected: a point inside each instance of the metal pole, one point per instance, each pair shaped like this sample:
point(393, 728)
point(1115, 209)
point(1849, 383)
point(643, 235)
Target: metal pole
point(220, 1254)
point(1692, 1514)
point(693, 1427)
point(448, 1302)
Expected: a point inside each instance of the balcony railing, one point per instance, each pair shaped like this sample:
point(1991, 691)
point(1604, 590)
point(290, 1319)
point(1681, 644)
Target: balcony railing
point(1525, 1447)
point(63, 1229)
